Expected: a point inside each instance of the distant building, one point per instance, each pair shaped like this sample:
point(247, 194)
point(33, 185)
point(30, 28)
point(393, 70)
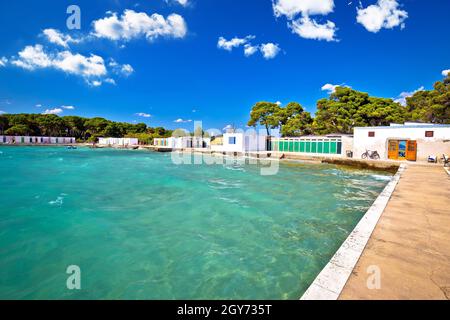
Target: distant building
point(409, 141)
point(165, 142)
point(118, 142)
point(32, 140)
point(240, 142)
point(182, 142)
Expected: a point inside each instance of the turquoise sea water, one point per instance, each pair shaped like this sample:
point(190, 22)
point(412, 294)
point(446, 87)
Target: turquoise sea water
point(141, 227)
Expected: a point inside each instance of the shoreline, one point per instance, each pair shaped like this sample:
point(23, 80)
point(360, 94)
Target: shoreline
point(379, 165)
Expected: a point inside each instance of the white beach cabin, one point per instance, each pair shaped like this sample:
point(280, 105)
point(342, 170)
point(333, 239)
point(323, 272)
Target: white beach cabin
point(118, 142)
point(240, 142)
point(410, 141)
point(182, 143)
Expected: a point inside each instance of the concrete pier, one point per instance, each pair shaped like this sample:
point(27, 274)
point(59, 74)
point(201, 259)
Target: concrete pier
point(410, 245)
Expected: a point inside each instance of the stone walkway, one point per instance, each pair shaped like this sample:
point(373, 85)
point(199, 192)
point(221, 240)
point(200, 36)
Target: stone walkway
point(411, 243)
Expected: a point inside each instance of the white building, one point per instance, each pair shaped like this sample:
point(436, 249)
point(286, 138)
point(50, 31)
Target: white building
point(120, 142)
point(27, 140)
point(182, 143)
point(410, 141)
point(240, 142)
point(169, 143)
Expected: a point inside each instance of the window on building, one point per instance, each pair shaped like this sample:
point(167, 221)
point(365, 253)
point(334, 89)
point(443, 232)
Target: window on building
point(429, 134)
point(371, 134)
point(232, 140)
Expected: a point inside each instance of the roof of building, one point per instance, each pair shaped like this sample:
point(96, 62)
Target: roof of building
point(407, 125)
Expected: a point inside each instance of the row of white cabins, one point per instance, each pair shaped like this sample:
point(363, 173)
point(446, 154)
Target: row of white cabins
point(32, 140)
point(409, 141)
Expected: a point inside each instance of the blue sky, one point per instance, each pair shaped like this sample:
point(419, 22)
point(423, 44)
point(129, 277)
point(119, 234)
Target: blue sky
point(159, 69)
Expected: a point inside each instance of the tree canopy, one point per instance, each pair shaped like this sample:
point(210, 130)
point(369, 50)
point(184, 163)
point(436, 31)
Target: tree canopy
point(83, 129)
point(266, 114)
point(292, 119)
point(347, 108)
point(431, 106)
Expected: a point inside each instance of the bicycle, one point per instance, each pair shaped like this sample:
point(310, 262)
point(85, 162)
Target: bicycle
point(371, 155)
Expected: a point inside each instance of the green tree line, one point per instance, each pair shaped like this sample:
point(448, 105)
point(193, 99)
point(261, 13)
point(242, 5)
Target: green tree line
point(347, 108)
point(83, 129)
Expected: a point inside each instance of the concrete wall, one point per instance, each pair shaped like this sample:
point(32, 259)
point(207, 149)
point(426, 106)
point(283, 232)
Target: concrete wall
point(437, 145)
point(347, 145)
point(436, 148)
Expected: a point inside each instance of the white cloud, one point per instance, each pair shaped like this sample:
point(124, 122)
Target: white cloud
point(278, 103)
point(383, 14)
point(310, 29)
point(131, 25)
point(184, 3)
point(250, 50)
point(182, 121)
point(53, 111)
point(110, 81)
point(402, 97)
point(58, 110)
point(78, 64)
point(3, 61)
point(298, 13)
point(270, 50)
point(445, 72)
point(233, 43)
point(113, 63)
point(57, 37)
point(121, 69)
point(34, 57)
point(291, 8)
point(143, 115)
point(127, 70)
point(2, 112)
point(94, 83)
point(330, 88)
